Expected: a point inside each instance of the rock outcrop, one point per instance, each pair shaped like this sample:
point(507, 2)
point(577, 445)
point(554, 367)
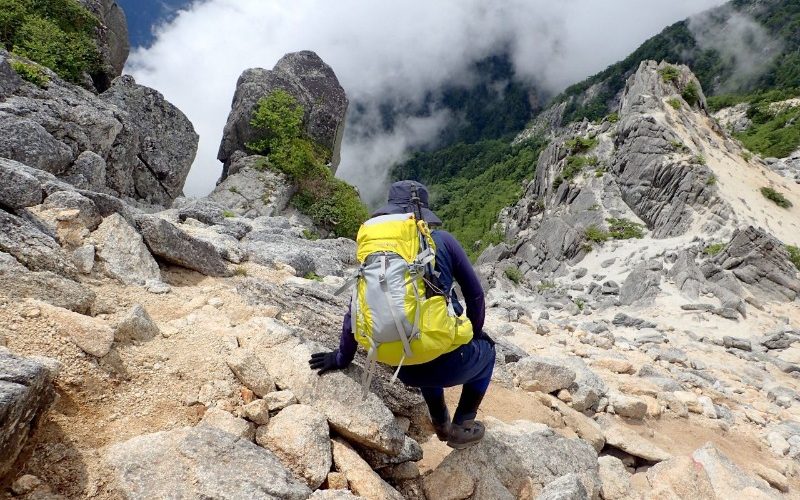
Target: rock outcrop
point(128, 141)
point(200, 462)
point(112, 39)
point(26, 393)
point(311, 82)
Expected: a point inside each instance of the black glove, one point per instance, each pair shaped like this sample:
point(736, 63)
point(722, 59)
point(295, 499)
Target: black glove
point(323, 362)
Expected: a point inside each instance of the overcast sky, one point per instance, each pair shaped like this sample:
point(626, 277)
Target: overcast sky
point(381, 49)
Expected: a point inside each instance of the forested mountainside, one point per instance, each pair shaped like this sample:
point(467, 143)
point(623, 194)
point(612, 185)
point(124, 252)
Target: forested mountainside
point(471, 182)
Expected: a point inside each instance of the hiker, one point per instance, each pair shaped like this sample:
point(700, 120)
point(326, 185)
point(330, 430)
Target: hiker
point(467, 361)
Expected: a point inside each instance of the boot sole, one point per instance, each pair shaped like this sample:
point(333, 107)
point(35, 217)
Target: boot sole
point(462, 446)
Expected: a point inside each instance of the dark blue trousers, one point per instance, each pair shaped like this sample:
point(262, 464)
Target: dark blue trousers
point(471, 365)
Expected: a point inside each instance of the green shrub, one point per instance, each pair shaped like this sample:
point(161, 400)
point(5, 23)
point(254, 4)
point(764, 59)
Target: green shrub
point(595, 234)
point(669, 74)
point(678, 146)
point(233, 189)
point(713, 249)
point(31, 73)
point(514, 274)
point(310, 234)
point(331, 203)
point(58, 34)
point(699, 159)
point(311, 275)
point(711, 180)
point(580, 144)
point(772, 134)
point(691, 94)
point(675, 103)
point(612, 117)
point(228, 214)
point(794, 255)
point(747, 156)
point(776, 197)
point(580, 303)
point(574, 165)
point(623, 229)
point(546, 285)
point(600, 172)
point(240, 271)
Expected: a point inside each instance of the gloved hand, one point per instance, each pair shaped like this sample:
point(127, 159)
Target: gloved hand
point(324, 361)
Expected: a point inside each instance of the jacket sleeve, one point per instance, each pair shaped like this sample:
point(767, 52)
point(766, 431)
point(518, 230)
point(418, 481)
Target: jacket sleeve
point(347, 343)
point(470, 285)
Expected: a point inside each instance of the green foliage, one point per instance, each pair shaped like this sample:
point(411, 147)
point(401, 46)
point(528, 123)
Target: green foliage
point(58, 34)
point(228, 214)
point(470, 183)
point(580, 303)
point(31, 73)
point(678, 146)
point(699, 159)
point(311, 275)
point(716, 71)
point(772, 133)
point(776, 197)
point(233, 189)
point(600, 171)
point(713, 249)
point(794, 255)
point(310, 234)
point(578, 145)
point(596, 234)
point(669, 74)
point(711, 180)
point(675, 103)
point(240, 271)
point(514, 274)
point(612, 117)
point(623, 229)
point(331, 203)
point(747, 156)
point(545, 285)
point(575, 164)
point(691, 94)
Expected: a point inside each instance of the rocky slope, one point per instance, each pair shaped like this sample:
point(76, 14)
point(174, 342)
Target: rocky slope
point(161, 347)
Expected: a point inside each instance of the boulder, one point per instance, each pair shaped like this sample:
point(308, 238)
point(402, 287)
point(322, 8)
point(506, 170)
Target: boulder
point(28, 142)
point(627, 406)
point(641, 286)
point(250, 372)
point(279, 400)
point(568, 486)
point(224, 421)
point(621, 437)
point(542, 374)
point(87, 214)
point(363, 481)
point(91, 335)
point(311, 82)
point(257, 411)
point(122, 253)
point(678, 477)
point(410, 452)
point(727, 479)
point(299, 436)
point(18, 188)
point(10, 81)
point(18, 283)
point(327, 257)
point(88, 172)
point(26, 393)
point(168, 241)
point(614, 477)
point(136, 325)
point(199, 462)
point(338, 395)
point(758, 261)
point(586, 428)
point(112, 39)
point(252, 189)
point(502, 465)
point(31, 247)
point(167, 140)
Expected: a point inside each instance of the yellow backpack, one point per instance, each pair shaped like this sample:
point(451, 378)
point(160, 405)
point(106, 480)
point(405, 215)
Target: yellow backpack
point(392, 316)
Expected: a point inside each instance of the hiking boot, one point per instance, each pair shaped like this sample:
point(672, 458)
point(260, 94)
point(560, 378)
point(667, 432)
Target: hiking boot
point(443, 430)
point(465, 435)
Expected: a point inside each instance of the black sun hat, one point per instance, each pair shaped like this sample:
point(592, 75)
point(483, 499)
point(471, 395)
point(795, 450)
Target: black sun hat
point(399, 202)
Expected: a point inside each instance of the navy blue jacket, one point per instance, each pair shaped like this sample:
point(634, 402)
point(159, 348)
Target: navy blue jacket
point(452, 263)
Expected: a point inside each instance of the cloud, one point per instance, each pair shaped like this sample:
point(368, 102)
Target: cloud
point(743, 44)
point(384, 52)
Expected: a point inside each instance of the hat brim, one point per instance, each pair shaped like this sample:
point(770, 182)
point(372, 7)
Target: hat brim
point(427, 215)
